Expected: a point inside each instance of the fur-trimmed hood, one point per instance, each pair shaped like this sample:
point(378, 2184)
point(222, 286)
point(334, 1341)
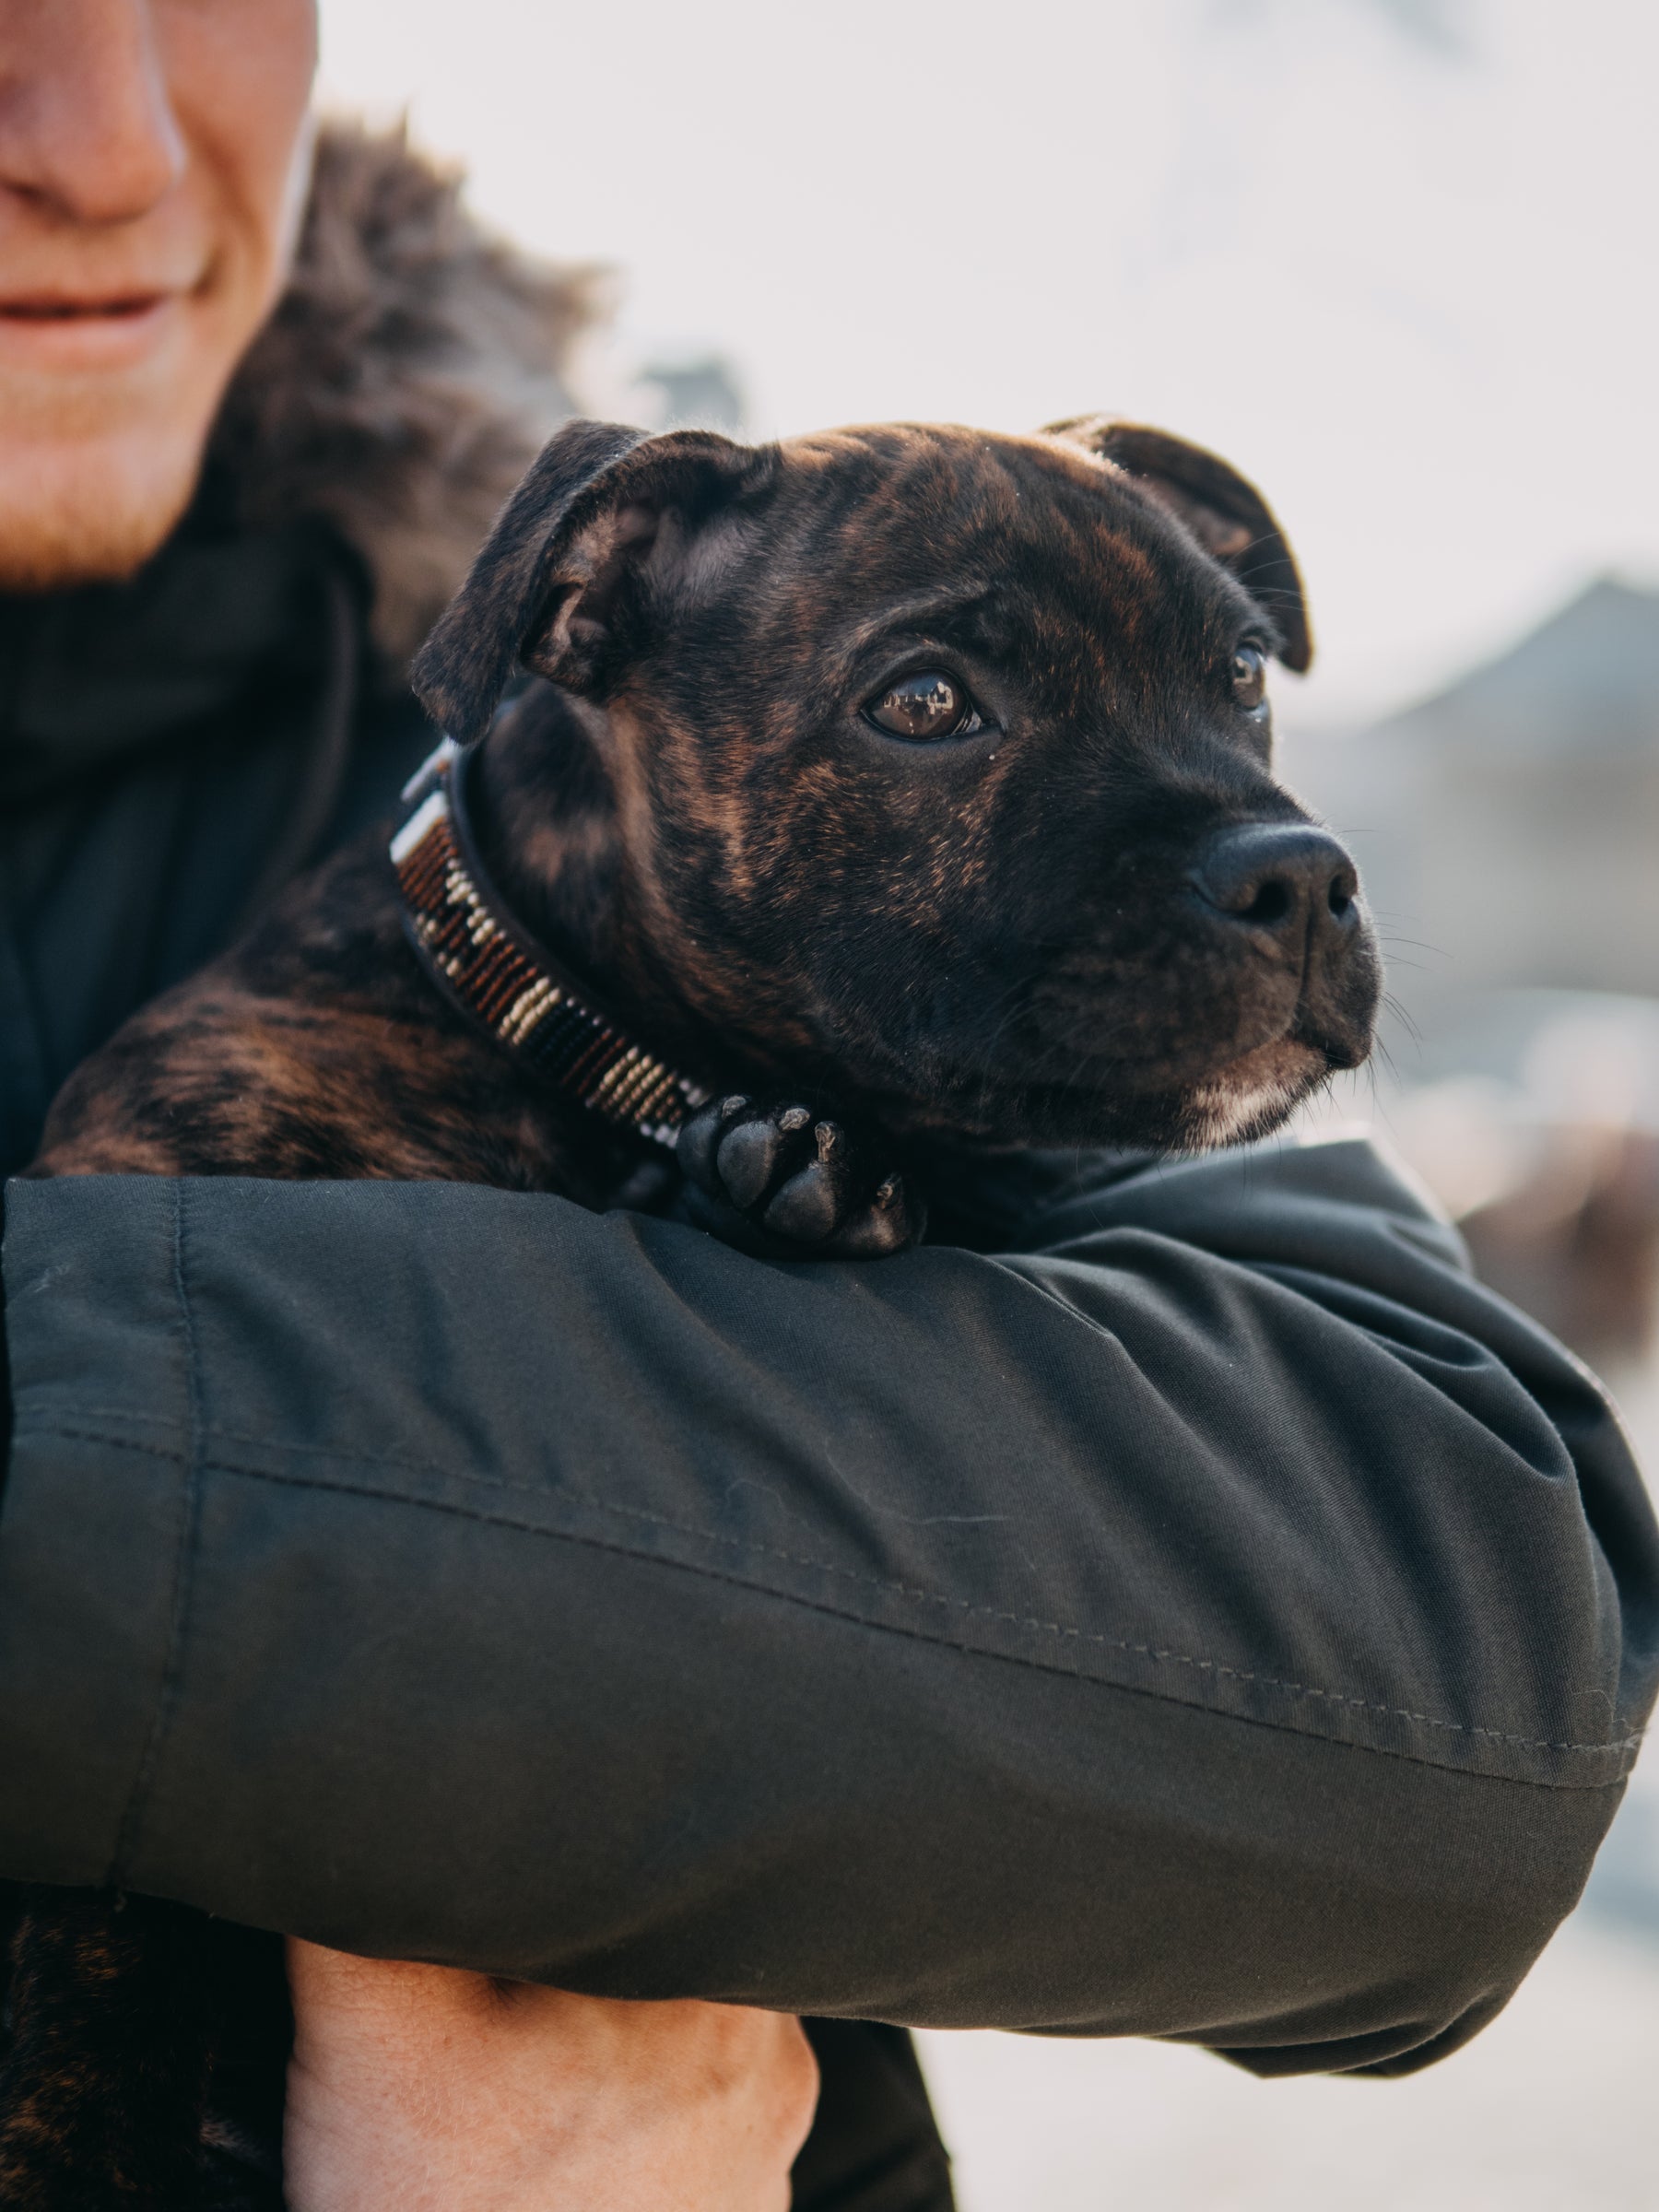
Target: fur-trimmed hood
point(411, 370)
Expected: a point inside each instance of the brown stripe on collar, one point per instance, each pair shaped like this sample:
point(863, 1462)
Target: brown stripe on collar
point(508, 985)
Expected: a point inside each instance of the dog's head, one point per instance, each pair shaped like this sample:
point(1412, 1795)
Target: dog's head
point(939, 764)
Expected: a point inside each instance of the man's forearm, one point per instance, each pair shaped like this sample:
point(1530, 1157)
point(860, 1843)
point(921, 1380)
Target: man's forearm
point(1243, 1644)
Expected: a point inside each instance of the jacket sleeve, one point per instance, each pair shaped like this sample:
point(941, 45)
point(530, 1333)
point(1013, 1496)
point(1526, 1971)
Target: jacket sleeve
point(1217, 1619)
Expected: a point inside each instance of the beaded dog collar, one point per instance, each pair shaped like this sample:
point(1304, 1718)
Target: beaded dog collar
point(506, 984)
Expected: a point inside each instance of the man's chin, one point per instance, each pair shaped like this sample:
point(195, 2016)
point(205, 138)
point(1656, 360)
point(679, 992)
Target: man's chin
point(91, 513)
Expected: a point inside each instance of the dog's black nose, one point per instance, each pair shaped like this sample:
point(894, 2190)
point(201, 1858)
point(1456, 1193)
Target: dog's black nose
point(1282, 877)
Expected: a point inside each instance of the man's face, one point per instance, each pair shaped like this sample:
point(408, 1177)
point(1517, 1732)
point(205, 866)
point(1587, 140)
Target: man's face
point(153, 160)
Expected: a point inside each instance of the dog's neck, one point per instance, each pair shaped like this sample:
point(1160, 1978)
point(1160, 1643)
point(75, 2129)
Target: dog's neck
point(547, 819)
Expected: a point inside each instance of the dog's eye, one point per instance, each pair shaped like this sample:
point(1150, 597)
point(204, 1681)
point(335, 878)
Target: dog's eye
point(1248, 675)
point(928, 705)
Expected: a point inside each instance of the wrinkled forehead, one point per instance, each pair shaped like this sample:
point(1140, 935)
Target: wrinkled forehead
point(1024, 538)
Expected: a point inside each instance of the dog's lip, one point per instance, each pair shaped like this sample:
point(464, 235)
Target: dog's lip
point(1163, 1066)
point(1298, 1034)
point(1270, 1052)
point(1340, 1053)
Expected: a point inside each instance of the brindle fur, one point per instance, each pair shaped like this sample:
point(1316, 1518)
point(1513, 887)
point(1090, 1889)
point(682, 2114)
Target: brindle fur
point(990, 939)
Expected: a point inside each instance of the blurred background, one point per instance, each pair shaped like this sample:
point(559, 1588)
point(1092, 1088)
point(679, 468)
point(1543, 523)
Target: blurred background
point(1397, 260)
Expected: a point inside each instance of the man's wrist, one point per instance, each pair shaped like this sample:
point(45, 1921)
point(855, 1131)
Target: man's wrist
point(443, 2092)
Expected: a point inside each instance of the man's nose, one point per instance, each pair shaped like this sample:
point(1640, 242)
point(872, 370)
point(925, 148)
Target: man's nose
point(1291, 880)
point(85, 121)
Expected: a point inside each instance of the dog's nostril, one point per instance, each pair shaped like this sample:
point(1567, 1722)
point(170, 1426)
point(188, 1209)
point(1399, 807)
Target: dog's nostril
point(1271, 905)
point(1340, 896)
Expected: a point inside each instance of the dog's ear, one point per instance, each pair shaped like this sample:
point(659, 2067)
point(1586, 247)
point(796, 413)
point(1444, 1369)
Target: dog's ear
point(1225, 515)
point(551, 589)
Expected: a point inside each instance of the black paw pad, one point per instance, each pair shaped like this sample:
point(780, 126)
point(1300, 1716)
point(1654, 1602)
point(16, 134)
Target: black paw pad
point(814, 1202)
point(699, 1139)
point(748, 1160)
point(772, 1176)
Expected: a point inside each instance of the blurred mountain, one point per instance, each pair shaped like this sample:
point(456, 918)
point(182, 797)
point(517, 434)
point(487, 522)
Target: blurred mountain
point(1587, 678)
point(1508, 829)
point(1508, 833)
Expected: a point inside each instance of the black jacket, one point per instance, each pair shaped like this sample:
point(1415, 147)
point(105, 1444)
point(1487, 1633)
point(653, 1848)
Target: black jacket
point(1181, 1604)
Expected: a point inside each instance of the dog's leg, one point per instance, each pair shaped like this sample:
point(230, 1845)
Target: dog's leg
point(105, 2068)
point(794, 1180)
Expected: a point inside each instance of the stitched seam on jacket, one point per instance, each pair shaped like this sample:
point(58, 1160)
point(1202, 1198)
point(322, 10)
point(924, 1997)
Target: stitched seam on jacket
point(1058, 1630)
point(172, 1668)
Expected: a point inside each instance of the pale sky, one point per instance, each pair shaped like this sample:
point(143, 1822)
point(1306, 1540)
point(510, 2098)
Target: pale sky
point(1405, 281)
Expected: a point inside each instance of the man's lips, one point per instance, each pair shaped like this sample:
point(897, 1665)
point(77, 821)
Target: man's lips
point(49, 307)
point(63, 332)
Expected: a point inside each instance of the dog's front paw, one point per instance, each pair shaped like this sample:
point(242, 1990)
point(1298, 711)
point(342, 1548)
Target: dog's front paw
point(797, 1178)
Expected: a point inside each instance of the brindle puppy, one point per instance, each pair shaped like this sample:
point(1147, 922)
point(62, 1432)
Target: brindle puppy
point(897, 784)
